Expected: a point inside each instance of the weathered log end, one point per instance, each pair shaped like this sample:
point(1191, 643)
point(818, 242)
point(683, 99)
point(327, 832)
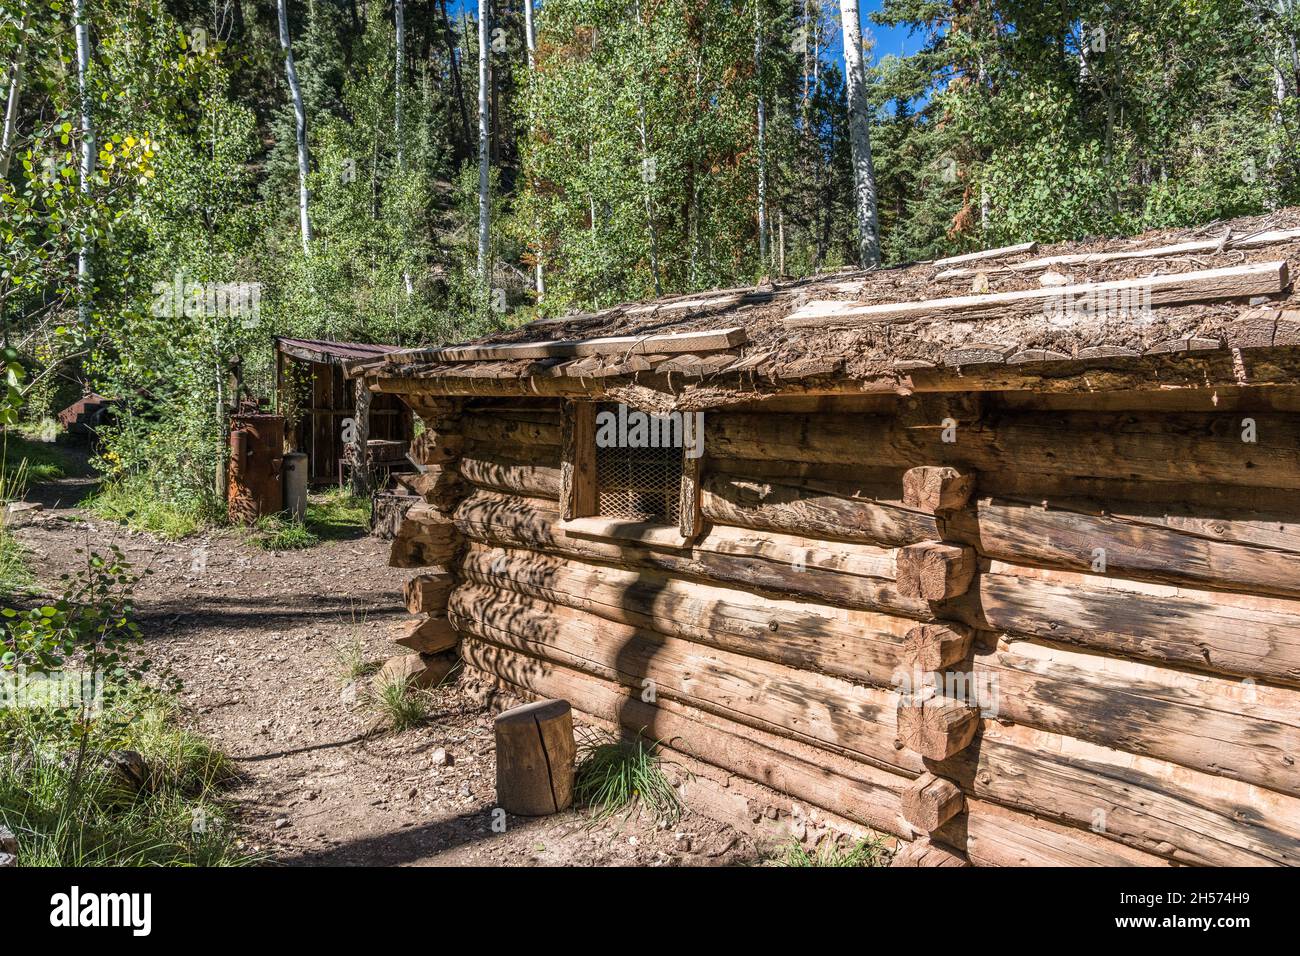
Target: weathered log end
point(425, 537)
point(921, 852)
point(936, 727)
point(428, 635)
point(934, 571)
point(935, 647)
point(417, 670)
point(937, 488)
point(428, 593)
point(930, 802)
point(535, 754)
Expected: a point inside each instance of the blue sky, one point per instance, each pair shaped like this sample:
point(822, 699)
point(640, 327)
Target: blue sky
point(888, 39)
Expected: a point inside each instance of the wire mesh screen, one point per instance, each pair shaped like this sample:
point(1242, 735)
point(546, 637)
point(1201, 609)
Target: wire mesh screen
point(639, 484)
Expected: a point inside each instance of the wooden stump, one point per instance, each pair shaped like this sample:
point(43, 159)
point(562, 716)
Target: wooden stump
point(535, 757)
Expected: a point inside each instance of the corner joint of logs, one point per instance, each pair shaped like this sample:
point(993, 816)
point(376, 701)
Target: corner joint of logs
point(937, 488)
point(935, 570)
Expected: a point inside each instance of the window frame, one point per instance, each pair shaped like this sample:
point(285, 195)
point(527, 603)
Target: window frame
point(579, 495)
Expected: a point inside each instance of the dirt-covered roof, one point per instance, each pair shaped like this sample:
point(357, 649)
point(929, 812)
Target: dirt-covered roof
point(1221, 287)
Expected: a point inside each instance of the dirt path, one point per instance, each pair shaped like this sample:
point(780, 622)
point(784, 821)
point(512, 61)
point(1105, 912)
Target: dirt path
point(254, 635)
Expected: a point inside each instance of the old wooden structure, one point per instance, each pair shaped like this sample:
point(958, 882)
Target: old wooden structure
point(1010, 575)
point(316, 398)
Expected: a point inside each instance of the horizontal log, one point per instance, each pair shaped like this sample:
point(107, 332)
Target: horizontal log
point(432, 447)
point(852, 789)
point(992, 835)
point(1000, 252)
point(1250, 637)
point(814, 708)
point(533, 479)
point(1173, 812)
point(1116, 546)
point(856, 576)
point(1209, 724)
point(1194, 247)
point(667, 343)
point(1176, 448)
point(535, 430)
point(934, 570)
point(428, 593)
point(795, 509)
point(1232, 282)
point(857, 645)
point(1268, 517)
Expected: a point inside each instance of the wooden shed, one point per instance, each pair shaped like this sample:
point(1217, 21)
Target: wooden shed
point(998, 555)
point(316, 399)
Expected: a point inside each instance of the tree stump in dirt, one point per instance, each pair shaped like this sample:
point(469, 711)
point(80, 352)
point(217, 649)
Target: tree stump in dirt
point(535, 757)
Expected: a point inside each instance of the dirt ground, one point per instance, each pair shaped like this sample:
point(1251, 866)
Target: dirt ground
point(255, 637)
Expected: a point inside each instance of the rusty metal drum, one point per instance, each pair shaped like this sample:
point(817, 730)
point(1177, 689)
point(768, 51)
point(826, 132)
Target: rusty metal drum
point(256, 484)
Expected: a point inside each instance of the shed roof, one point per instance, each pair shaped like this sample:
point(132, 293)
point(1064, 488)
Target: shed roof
point(1029, 312)
point(321, 350)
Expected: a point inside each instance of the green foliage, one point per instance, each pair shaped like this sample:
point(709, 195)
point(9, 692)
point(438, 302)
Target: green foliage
point(15, 572)
point(616, 776)
point(338, 514)
point(278, 533)
point(63, 816)
point(137, 502)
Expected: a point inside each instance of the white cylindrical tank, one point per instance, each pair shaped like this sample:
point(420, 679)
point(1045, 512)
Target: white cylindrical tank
point(295, 484)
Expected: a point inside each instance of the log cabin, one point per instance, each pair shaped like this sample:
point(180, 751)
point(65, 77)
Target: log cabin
point(998, 556)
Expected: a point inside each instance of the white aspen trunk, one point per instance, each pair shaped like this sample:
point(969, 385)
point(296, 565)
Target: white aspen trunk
point(646, 180)
point(484, 207)
point(399, 23)
point(864, 174)
point(82, 30)
point(300, 122)
point(530, 39)
point(762, 135)
point(530, 44)
point(15, 94)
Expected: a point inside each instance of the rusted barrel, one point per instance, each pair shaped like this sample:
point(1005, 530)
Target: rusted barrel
point(256, 485)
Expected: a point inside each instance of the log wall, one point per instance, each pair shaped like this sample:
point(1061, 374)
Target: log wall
point(1010, 629)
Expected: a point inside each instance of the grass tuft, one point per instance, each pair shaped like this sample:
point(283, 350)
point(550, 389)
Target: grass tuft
point(613, 776)
point(278, 533)
point(351, 661)
point(869, 851)
point(400, 705)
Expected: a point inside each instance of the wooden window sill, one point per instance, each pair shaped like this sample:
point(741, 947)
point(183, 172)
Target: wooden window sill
point(632, 532)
